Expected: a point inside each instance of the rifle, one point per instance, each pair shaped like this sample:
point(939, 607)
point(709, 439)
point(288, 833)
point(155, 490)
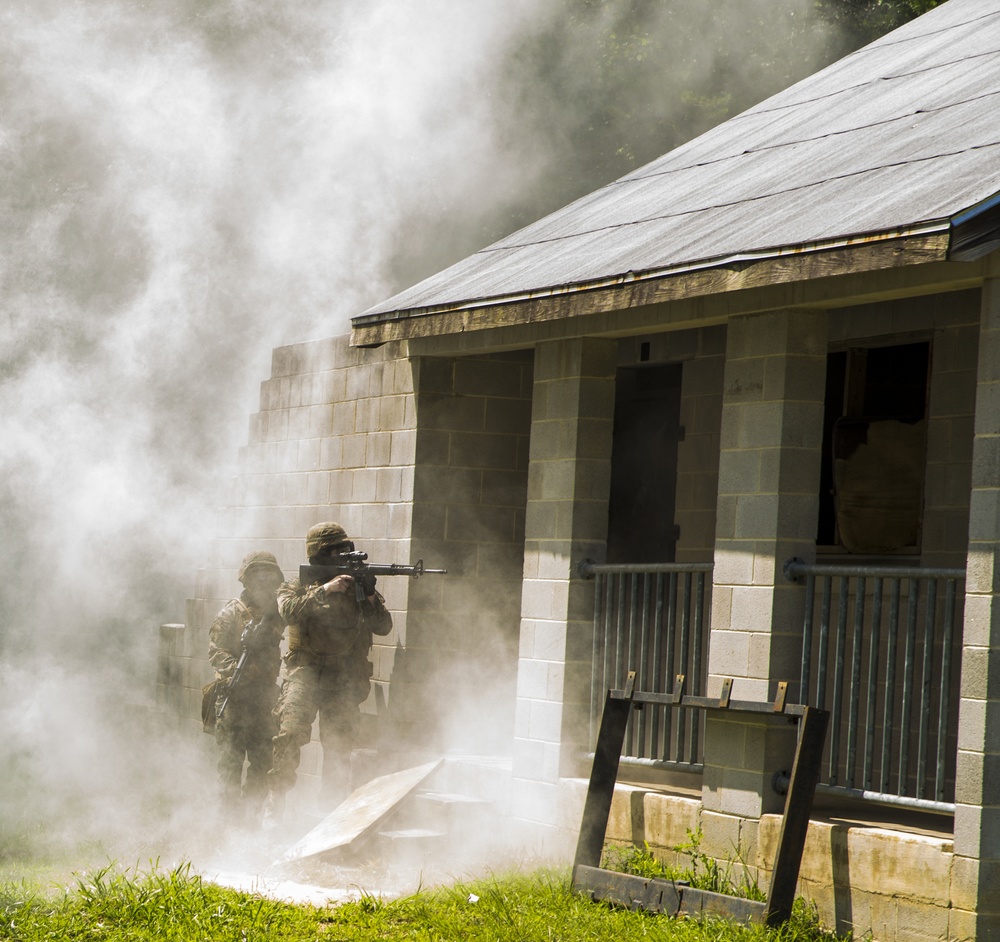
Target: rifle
point(355, 564)
point(247, 641)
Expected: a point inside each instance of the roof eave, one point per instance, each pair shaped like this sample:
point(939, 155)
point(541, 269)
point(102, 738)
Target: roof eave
point(918, 244)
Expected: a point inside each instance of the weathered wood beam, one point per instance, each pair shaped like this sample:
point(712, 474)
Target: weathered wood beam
point(812, 274)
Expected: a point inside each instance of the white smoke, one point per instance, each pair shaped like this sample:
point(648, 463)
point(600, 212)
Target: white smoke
point(184, 187)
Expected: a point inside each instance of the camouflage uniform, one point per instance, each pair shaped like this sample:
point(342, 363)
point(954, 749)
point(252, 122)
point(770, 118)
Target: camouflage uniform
point(327, 671)
point(248, 725)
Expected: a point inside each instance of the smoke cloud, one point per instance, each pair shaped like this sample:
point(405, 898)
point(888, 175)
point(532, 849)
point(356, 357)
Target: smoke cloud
point(186, 186)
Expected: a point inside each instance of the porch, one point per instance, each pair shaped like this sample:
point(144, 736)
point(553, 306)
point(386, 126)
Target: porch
point(880, 649)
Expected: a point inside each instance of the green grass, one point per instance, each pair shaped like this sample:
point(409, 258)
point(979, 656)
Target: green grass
point(177, 906)
point(703, 872)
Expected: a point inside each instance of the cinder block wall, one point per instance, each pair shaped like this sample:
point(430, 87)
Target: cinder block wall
point(181, 670)
point(454, 685)
point(566, 521)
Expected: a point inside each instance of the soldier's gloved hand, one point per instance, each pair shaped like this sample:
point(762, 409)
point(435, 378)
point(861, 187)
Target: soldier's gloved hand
point(341, 583)
point(368, 581)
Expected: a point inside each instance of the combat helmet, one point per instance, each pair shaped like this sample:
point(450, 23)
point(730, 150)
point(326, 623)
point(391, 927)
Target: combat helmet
point(256, 560)
point(326, 536)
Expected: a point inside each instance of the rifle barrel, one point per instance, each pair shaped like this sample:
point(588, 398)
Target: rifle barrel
point(316, 573)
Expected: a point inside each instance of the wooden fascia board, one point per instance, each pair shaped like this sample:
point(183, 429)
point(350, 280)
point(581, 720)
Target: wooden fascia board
point(781, 269)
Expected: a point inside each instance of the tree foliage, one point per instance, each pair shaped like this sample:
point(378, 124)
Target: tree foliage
point(861, 21)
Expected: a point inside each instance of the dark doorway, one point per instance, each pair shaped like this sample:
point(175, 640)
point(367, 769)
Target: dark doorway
point(644, 464)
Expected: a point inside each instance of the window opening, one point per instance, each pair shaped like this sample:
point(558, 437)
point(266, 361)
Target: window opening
point(874, 448)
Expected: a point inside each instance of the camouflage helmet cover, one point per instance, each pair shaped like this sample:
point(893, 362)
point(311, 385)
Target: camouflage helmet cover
point(258, 560)
point(324, 536)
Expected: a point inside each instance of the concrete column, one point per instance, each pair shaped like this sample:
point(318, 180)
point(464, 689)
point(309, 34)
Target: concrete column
point(569, 472)
point(769, 468)
point(976, 871)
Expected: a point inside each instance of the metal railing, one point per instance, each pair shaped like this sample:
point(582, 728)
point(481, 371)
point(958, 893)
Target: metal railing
point(879, 652)
point(652, 619)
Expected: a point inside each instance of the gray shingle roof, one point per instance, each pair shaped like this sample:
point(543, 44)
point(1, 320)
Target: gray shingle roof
point(901, 136)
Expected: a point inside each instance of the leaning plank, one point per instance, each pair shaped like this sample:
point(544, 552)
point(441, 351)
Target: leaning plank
point(604, 774)
point(667, 897)
point(795, 823)
point(626, 889)
point(696, 902)
point(359, 815)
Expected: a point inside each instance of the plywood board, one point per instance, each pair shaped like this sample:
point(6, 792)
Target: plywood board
point(361, 812)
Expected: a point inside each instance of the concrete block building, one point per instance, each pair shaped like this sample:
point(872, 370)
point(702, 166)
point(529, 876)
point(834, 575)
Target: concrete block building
point(735, 416)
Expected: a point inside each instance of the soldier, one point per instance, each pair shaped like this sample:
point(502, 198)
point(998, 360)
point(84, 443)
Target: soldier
point(327, 670)
point(247, 725)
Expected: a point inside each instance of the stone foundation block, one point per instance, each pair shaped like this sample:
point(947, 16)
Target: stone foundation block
point(670, 819)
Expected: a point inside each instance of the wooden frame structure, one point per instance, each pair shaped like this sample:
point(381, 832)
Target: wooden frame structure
point(668, 896)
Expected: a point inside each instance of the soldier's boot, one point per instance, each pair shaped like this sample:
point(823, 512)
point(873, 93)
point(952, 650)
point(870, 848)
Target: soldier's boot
point(274, 811)
point(252, 805)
